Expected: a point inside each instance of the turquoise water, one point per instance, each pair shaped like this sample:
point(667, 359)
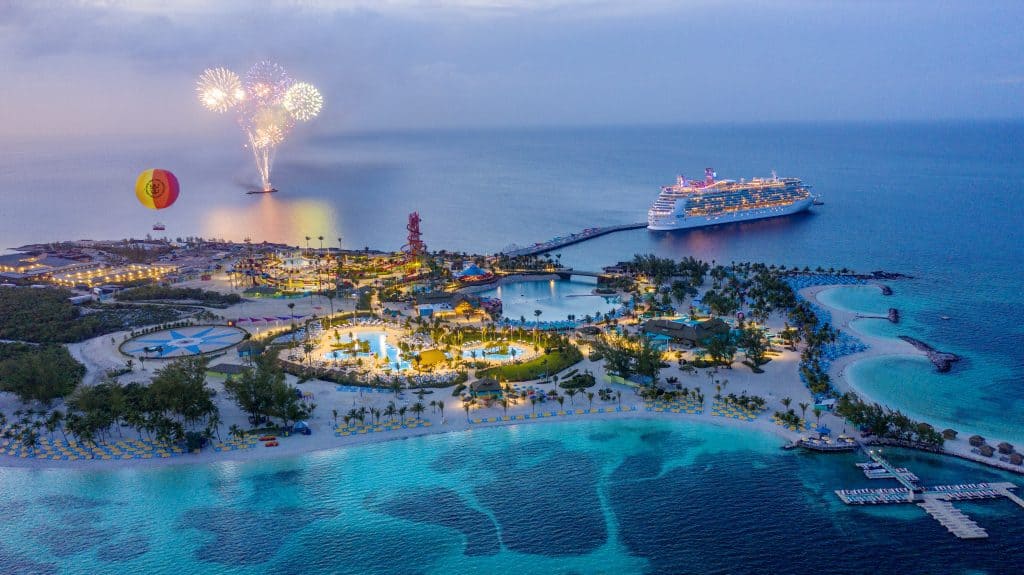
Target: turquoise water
point(969, 397)
point(556, 299)
point(912, 384)
point(623, 496)
point(379, 346)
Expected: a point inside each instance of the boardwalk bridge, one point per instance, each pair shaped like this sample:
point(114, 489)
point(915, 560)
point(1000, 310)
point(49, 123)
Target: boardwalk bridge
point(562, 241)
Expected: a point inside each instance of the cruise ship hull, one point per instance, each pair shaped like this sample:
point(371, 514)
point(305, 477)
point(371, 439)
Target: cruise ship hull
point(671, 222)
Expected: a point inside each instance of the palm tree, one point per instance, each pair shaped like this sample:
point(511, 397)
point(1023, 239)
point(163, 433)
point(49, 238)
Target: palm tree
point(618, 397)
point(533, 404)
point(817, 415)
point(418, 409)
point(561, 400)
point(504, 405)
point(572, 393)
point(786, 401)
point(590, 398)
point(440, 408)
point(803, 409)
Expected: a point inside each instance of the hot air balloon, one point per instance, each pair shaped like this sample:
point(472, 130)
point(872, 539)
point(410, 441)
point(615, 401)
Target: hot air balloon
point(156, 189)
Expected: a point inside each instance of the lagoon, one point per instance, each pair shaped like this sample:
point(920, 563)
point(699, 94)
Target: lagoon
point(556, 299)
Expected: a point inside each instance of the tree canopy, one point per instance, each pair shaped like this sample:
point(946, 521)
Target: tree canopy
point(38, 373)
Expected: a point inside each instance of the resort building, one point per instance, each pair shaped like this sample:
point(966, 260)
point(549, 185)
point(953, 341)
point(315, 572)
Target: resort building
point(485, 388)
point(474, 275)
point(684, 331)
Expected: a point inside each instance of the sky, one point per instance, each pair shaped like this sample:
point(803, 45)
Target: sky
point(120, 67)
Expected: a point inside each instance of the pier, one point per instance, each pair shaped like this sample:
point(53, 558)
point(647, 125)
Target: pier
point(936, 500)
point(561, 242)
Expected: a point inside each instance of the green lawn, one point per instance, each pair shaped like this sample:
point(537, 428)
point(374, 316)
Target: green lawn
point(535, 368)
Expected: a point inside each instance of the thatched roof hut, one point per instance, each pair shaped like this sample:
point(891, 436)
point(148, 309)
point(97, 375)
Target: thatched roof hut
point(987, 450)
point(485, 387)
point(976, 440)
point(1005, 448)
point(949, 434)
point(1016, 459)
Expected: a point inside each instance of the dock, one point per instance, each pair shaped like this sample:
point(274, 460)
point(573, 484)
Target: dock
point(953, 519)
point(935, 500)
point(562, 241)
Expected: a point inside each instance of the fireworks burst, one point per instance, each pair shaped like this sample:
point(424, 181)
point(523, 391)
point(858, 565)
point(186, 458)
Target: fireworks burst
point(303, 101)
point(269, 103)
point(219, 89)
point(266, 83)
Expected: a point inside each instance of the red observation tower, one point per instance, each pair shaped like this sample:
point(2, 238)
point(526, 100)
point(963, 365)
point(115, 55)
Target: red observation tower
point(415, 248)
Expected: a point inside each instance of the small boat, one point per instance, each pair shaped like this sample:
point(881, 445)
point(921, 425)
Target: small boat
point(268, 438)
point(818, 202)
point(946, 317)
point(159, 227)
point(271, 444)
point(270, 191)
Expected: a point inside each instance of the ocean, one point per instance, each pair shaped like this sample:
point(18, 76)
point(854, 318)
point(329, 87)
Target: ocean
point(937, 201)
point(615, 496)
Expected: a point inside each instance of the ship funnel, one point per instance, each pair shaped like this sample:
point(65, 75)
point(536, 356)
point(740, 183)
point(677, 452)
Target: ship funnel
point(680, 180)
point(709, 175)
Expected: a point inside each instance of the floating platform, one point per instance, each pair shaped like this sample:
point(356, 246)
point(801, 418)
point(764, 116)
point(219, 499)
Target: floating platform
point(936, 500)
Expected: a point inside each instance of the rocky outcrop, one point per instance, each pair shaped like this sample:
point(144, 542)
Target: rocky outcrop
point(886, 290)
point(942, 360)
point(894, 315)
point(884, 275)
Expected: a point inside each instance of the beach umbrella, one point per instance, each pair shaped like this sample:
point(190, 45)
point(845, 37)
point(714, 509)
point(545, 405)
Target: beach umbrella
point(156, 189)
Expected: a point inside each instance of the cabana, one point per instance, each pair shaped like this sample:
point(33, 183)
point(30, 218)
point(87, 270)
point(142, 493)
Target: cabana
point(486, 387)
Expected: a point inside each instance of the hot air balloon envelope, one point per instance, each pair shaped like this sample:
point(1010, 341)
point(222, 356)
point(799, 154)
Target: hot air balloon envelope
point(156, 189)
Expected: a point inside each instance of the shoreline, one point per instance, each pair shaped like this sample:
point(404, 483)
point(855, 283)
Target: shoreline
point(324, 439)
point(895, 347)
point(291, 447)
point(514, 278)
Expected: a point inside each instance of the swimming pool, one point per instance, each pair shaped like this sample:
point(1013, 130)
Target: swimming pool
point(378, 346)
point(492, 352)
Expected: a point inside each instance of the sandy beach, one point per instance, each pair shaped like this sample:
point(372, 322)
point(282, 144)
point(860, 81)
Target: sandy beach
point(881, 346)
point(778, 381)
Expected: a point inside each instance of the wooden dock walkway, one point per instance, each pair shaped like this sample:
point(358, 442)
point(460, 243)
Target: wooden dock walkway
point(953, 519)
point(936, 500)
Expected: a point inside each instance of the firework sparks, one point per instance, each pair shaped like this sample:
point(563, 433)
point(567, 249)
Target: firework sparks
point(269, 103)
point(303, 101)
point(219, 89)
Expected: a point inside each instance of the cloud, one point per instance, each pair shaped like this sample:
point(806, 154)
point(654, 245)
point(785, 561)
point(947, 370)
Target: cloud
point(115, 66)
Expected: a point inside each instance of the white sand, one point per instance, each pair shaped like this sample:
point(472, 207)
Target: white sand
point(878, 346)
point(780, 379)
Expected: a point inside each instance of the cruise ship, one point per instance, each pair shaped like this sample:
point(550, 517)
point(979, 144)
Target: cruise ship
point(709, 202)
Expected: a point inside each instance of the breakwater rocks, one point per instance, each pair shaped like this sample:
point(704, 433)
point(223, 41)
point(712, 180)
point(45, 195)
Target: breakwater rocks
point(894, 315)
point(886, 290)
point(942, 360)
point(884, 275)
